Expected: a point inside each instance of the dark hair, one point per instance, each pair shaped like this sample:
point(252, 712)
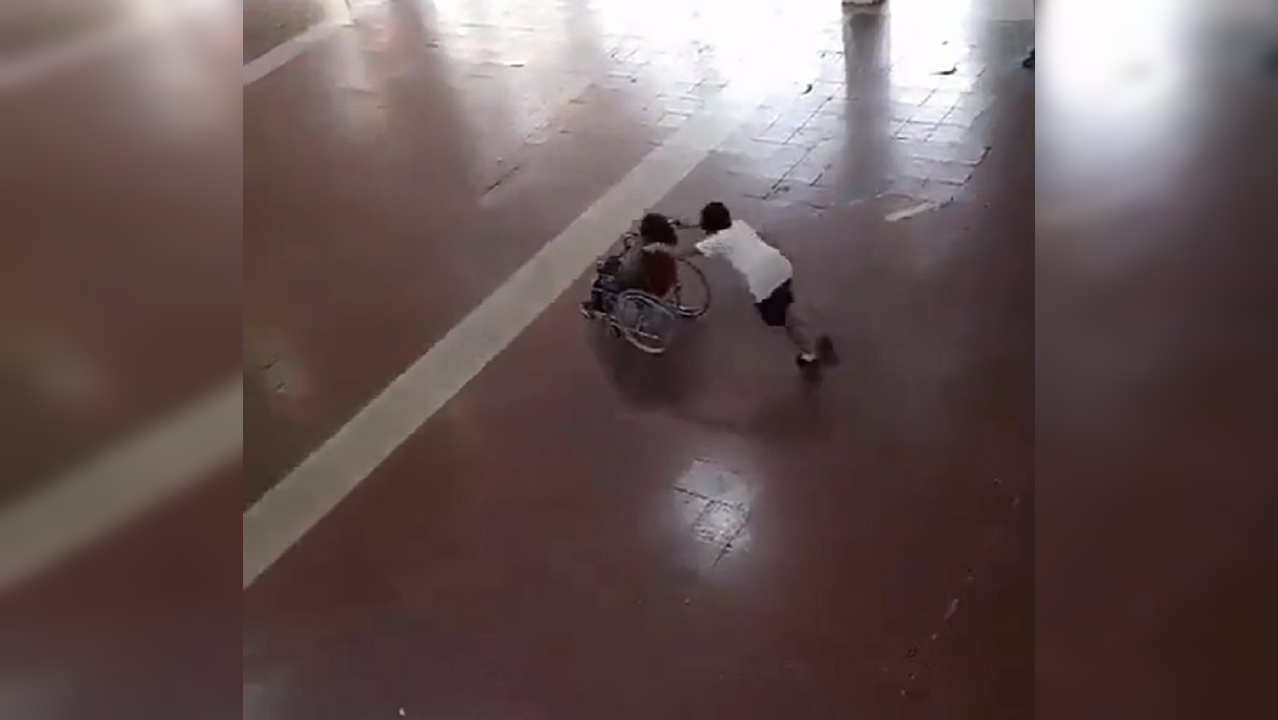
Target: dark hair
point(715, 217)
point(655, 227)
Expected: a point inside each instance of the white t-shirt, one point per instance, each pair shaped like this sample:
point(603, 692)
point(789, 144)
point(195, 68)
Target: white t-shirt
point(763, 266)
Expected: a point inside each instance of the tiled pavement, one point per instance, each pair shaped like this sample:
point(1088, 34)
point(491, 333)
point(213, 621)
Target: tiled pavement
point(121, 270)
point(1153, 339)
point(141, 627)
point(651, 518)
point(29, 25)
point(582, 532)
point(120, 277)
point(270, 23)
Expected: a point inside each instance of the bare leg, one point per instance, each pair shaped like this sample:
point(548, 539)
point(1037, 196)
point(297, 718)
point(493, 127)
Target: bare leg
point(796, 328)
point(809, 343)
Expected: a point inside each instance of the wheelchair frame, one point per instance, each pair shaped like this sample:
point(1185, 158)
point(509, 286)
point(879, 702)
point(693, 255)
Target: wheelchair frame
point(669, 309)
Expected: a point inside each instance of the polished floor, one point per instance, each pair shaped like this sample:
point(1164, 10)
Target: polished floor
point(582, 532)
point(458, 500)
point(120, 271)
point(1155, 350)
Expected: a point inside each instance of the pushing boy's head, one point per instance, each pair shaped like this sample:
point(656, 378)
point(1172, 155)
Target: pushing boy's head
point(715, 217)
point(656, 228)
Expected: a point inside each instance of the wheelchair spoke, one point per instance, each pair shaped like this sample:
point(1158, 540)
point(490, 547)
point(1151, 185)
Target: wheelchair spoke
point(692, 294)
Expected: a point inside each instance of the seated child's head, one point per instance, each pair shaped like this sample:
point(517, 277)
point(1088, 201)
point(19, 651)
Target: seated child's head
point(715, 218)
point(656, 228)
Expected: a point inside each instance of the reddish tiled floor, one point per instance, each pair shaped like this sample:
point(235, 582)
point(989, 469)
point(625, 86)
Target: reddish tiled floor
point(342, 175)
point(583, 532)
point(1155, 384)
point(695, 535)
point(120, 270)
point(141, 626)
point(268, 23)
point(31, 25)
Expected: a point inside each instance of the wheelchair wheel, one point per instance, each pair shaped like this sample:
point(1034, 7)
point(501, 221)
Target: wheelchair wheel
point(644, 321)
point(692, 294)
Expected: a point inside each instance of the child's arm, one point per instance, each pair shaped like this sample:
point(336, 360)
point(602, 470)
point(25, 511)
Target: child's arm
point(694, 250)
point(685, 252)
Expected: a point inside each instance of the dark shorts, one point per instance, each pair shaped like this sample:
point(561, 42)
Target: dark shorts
point(775, 308)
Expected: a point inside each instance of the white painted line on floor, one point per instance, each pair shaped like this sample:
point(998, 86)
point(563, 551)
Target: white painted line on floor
point(291, 49)
point(29, 68)
point(45, 61)
point(291, 508)
point(337, 14)
point(911, 211)
point(122, 485)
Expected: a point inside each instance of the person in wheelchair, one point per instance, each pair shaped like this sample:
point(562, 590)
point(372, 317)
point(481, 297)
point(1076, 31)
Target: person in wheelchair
point(650, 266)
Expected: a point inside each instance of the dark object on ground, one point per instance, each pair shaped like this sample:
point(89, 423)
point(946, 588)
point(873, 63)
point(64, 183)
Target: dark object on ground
point(809, 370)
point(825, 351)
point(1028, 62)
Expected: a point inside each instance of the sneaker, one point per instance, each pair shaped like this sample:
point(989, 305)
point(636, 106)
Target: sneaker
point(825, 350)
point(809, 365)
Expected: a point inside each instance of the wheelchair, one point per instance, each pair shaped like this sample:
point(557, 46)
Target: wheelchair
point(644, 320)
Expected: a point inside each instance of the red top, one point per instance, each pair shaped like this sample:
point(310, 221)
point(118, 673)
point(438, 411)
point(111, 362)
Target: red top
point(660, 271)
